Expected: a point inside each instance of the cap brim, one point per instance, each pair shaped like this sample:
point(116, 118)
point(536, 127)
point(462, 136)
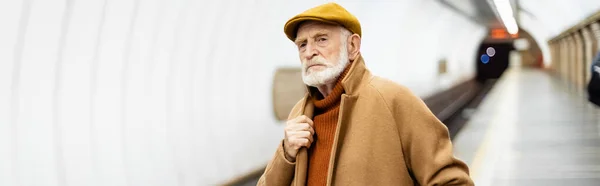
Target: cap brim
point(291, 27)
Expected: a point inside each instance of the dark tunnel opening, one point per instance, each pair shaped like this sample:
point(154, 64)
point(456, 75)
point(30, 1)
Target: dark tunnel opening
point(492, 65)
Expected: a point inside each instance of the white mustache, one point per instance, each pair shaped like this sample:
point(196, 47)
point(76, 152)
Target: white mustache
point(315, 61)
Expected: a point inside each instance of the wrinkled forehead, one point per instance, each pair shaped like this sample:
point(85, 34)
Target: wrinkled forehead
point(311, 27)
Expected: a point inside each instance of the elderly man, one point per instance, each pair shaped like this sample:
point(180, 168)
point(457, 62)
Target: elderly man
point(353, 128)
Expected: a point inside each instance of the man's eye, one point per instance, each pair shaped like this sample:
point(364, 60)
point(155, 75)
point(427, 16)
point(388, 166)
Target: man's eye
point(322, 39)
point(302, 45)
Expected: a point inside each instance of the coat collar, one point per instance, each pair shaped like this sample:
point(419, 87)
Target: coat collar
point(357, 75)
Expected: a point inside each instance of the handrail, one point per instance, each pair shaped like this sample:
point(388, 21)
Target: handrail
point(595, 17)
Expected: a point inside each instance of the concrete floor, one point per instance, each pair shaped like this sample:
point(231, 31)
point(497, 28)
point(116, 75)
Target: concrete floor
point(532, 130)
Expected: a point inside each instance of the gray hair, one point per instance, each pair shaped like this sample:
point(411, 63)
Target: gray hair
point(344, 34)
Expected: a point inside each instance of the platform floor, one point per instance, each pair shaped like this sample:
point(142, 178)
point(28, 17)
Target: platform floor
point(532, 129)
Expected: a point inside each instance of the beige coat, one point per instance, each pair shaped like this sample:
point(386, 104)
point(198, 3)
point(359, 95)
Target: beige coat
point(385, 136)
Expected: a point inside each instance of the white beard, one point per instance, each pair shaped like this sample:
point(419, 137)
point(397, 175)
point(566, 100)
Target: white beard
point(327, 75)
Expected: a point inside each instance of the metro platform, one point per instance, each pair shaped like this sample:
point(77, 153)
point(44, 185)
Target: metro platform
point(532, 129)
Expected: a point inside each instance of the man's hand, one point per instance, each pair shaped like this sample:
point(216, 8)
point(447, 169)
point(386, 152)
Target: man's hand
point(298, 133)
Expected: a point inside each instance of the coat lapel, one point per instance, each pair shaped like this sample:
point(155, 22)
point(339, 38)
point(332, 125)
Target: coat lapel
point(346, 106)
point(302, 156)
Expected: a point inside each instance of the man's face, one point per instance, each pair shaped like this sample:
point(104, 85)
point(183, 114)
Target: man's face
point(323, 52)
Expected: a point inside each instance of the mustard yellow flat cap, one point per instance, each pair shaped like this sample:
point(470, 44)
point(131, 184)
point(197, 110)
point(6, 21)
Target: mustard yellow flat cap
point(331, 13)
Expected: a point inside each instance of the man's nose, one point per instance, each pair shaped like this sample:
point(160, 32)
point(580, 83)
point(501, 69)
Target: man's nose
point(310, 52)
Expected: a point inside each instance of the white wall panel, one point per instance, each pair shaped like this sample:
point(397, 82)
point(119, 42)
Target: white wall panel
point(73, 90)
point(38, 152)
point(11, 14)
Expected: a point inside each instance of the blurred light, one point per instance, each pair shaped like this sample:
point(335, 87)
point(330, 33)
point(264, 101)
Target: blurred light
point(499, 34)
point(490, 51)
point(506, 14)
point(515, 35)
point(521, 44)
point(485, 59)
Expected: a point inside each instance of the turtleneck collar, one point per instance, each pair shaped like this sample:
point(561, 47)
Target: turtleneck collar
point(334, 97)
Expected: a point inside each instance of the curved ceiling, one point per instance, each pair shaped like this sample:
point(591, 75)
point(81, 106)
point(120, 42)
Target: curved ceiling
point(542, 19)
point(555, 16)
point(547, 19)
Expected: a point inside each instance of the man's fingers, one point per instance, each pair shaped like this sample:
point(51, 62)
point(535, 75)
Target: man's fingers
point(303, 139)
point(306, 134)
point(305, 127)
point(310, 122)
point(299, 118)
point(310, 138)
point(301, 142)
point(305, 142)
point(301, 127)
point(299, 132)
point(310, 129)
point(304, 119)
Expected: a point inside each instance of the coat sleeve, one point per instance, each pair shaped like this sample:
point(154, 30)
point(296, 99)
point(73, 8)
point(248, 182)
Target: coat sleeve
point(279, 171)
point(426, 145)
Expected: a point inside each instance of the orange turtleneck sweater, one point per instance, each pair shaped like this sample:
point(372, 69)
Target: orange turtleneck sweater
point(325, 123)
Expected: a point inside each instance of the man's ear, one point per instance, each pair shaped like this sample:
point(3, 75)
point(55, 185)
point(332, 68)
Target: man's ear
point(353, 47)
